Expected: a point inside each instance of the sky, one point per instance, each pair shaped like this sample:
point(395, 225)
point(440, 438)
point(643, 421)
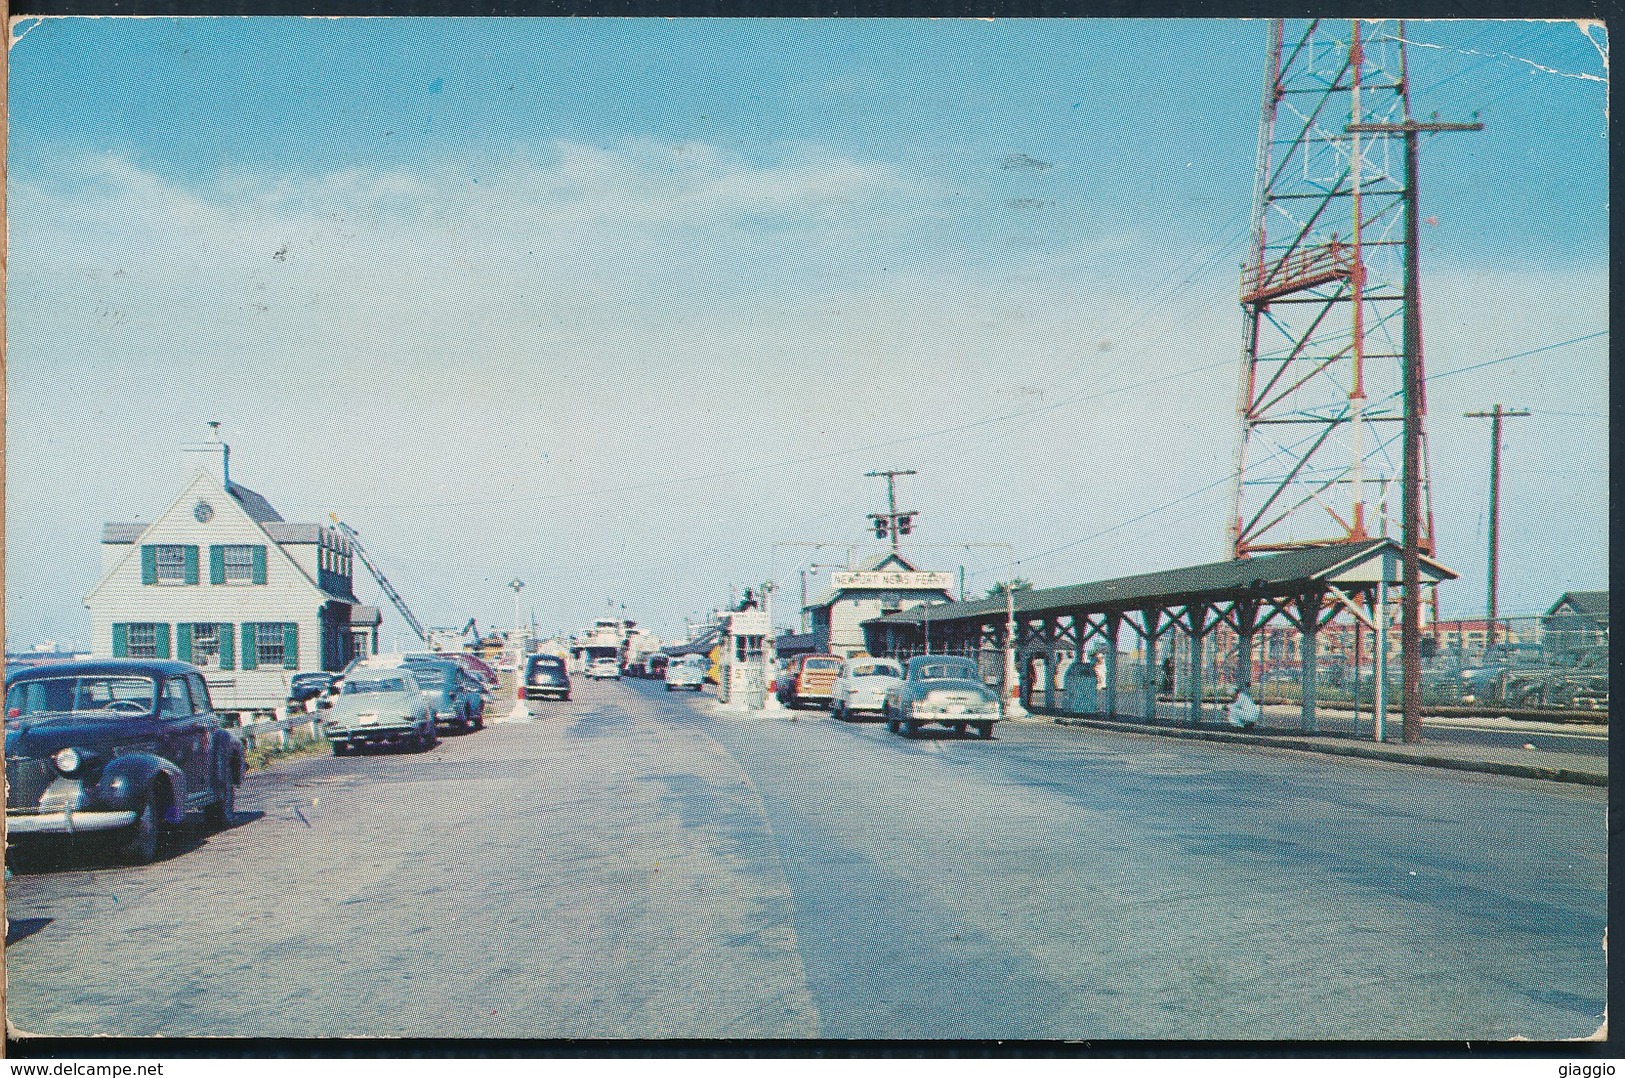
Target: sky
point(626, 308)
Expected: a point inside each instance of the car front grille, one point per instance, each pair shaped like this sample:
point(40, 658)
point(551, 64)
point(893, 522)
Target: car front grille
point(26, 781)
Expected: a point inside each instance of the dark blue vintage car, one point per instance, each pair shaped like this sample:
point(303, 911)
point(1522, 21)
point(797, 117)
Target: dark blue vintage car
point(120, 747)
point(455, 698)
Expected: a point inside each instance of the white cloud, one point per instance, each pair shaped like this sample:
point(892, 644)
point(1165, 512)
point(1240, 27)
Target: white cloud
point(594, 317)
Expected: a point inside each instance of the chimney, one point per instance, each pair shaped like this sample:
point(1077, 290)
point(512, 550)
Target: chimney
point(213, 456)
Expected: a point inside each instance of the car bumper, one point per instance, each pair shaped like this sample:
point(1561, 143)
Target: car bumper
point(948, 719)
point(538, 692)
point(66, 822)
point(371, 733)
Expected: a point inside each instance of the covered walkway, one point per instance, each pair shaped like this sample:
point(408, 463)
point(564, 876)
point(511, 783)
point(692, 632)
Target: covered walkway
point(1307, 589)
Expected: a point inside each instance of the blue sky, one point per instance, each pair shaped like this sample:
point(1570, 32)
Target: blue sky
point(467, 281)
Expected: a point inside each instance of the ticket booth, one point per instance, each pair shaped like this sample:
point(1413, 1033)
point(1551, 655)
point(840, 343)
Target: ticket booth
point(743, 659)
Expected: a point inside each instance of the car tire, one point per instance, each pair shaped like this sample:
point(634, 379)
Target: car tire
point(479, 719)
point(139, 844)
point(910, 728)
point(668, 688)
point(986, 730)
point(959, 728)
point(341, 748)
point(223, 811)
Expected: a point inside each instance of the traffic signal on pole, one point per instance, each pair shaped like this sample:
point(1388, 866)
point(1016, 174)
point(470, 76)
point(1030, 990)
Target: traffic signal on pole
point(880, 525)
point(905, 523)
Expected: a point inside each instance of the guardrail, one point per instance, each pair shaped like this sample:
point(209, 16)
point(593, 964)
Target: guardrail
point(251, 733)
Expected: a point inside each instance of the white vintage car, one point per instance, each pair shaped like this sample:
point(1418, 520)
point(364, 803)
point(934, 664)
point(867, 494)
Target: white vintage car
point(860, 688)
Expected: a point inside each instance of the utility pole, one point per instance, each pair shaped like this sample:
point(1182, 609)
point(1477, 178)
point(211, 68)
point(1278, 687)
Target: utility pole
point(1495, 418)
point(1410, 633)
point(892, 522)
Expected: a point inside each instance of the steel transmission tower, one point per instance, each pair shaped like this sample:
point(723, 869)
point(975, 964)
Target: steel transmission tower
point(1321, 396)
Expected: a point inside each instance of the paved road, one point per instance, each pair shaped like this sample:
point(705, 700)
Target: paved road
point(635, 864)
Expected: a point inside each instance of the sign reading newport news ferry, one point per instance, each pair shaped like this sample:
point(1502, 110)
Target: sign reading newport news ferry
point(892, 579)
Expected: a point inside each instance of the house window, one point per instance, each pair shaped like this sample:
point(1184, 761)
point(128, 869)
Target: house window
point(142, 640)
point(269, 642)
point(239, 564)
point(206, 646)
point(171, 564)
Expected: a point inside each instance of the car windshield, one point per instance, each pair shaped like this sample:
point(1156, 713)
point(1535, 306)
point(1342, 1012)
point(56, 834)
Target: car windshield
point(547, 664)
point(113, 694)
point(945, 671)
point(822, 664)
point(378, 684)
point(874, 670)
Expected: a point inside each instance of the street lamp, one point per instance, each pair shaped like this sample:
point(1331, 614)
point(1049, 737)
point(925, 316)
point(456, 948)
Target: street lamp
point(518, 647)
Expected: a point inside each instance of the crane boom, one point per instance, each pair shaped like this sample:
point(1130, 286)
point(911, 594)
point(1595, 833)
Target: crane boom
point(383, 581)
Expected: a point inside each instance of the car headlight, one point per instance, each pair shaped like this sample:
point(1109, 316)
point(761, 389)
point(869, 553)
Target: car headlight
point(67, 761)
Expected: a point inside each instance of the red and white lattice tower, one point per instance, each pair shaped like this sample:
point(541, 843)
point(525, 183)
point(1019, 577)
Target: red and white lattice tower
point(1321, 404)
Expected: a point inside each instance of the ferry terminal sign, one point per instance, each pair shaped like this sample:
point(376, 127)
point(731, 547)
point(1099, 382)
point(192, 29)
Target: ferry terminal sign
point(894, 579)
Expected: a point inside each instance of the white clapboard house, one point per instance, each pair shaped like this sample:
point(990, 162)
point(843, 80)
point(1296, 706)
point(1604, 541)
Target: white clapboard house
point(220, 580)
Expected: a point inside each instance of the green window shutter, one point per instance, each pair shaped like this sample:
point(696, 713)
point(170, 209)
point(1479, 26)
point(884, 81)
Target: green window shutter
point(149, 564)
point(183, 641)
point(121, 640)
point(259, 564)
point(189, 553)
point(160, 634)
point(251, 658)
point(217, 565)
point(228, 646)
point(290, 645)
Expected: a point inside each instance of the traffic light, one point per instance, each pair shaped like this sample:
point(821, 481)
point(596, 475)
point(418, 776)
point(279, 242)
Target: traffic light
point(880, 525)
point(905, 523)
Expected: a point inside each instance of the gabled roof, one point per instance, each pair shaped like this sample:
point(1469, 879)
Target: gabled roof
point(1270, 575)
point(284, 532)
point(253, 504)
point(884, 560)
point(122, 532)
point(1583, 602)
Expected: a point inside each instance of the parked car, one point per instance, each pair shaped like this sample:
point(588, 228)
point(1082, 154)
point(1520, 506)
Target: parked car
point(598, 669)
point(455, 698)
point(945, 689)
point(377, 706)
point(309, 685)
point(860, 688)
point(545, 675)
point(686, 672)
point(121, 747)
point(472, 665)
point(809, 679)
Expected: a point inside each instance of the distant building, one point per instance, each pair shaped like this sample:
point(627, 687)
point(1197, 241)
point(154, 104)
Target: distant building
point(1578, 620)
point(1469, 635)
point(220, 580)
point(885, 584)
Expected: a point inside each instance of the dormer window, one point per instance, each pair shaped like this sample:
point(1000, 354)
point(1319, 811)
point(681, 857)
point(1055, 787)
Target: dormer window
point(168, 563)
point(242, 563)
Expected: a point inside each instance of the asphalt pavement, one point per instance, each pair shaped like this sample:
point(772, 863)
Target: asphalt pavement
point(635, 863)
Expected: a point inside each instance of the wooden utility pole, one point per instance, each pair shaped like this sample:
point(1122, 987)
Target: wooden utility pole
point(1410, 633)
point(1495, 418)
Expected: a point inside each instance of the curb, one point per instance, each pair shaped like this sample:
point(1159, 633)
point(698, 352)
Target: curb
point(1332, 748)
